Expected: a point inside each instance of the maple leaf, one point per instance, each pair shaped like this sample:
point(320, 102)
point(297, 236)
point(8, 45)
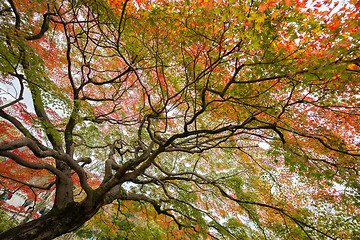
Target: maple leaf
point(181, 119)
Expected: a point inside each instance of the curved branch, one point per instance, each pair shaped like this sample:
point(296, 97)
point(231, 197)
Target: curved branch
point(209, 131)
point(44, 28)
point(20, 77)
point(313, 137)
point(79, 171)
point(36, 166)
point(31, 144)
point(223, 193)
point(17, 15)
point(21, 128)
point(157, 207)
point(280, 210)
point(50, 131)
point(29, 184)
point(110, 165)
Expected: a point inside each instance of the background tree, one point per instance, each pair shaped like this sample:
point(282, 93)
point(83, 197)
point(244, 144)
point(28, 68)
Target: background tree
point(233, 119)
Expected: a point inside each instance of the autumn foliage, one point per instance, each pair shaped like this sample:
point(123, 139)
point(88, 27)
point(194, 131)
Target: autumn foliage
point(183, 119)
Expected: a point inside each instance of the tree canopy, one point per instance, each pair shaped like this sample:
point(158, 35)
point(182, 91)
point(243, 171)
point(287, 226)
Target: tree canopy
point(204, 119)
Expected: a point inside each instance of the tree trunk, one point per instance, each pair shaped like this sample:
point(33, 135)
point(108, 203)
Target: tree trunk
point(51, 225)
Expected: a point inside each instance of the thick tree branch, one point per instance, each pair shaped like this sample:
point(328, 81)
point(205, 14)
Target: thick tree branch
point(17, 15)
point(29, 184)
point(32, 145)
point(50, 131)
point(44, 27)
point(36, 166)
point(21, 128)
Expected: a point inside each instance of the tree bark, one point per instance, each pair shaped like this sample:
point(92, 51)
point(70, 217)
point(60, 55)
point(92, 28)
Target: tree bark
point(53, 224)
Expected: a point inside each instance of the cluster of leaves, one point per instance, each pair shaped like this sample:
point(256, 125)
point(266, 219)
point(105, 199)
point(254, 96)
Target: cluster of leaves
point(132, 221)
point(166, 104)
point(5, 222)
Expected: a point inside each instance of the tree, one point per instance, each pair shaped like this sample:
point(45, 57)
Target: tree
point(232, 119)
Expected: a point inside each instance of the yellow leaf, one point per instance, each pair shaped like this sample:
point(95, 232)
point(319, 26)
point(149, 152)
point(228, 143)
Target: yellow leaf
point(352, 66)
